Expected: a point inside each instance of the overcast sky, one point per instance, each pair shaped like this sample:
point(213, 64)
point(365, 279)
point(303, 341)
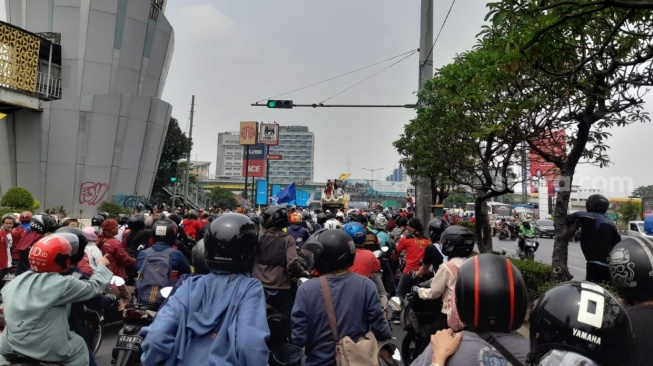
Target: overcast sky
point(232, 53)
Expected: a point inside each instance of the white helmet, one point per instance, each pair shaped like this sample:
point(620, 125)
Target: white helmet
point(333, 224)
point(381, 223)
point(341, 215)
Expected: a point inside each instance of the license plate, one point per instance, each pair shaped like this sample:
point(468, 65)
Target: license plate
point(129, 342)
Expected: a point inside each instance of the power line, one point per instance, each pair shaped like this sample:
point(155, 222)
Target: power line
point(438, 36)
point(335, 77)
point(371, 76)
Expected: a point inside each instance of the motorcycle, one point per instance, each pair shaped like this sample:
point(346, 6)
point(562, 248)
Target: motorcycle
point(127, 351)
point(420, 317)
point(530, 246)
point(282, 352)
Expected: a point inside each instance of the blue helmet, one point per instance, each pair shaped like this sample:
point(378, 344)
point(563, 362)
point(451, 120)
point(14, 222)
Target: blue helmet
point(648, 224)
point(356, 231)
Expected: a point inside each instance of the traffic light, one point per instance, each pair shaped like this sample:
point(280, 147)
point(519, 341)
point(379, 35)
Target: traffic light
point(173, 179)
point(286, 104)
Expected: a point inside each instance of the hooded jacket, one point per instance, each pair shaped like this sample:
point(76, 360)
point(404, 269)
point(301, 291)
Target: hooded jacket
point(215, 319)
point(299, 233)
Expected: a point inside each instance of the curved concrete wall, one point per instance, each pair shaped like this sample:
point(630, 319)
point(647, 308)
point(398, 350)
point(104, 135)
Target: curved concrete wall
point(104, 137)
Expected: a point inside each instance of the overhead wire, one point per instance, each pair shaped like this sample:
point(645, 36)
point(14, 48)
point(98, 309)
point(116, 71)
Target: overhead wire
point(438, 36)
point(336, 77)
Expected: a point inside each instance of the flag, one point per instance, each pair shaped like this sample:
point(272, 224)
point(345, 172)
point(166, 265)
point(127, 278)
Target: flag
point(286, 195)
point(344, 176)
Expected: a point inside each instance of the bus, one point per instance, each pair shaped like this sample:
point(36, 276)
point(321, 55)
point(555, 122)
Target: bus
point(496, 208)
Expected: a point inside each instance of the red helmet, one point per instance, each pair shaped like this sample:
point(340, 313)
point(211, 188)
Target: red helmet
point(25, 217)
point(50, 254)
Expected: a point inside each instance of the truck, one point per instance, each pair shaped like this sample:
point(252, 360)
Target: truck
point(636, 228)
point(334, 202)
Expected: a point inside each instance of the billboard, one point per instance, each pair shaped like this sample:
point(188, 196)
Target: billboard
point(269, 134)
point(544, 173)
point(256, 165)
point(261, 192)
point(380, 187)
point(248, 133)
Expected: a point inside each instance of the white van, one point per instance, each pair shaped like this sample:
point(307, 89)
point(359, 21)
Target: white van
point(636, 228)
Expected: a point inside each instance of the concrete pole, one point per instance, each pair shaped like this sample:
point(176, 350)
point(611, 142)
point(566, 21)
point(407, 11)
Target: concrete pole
point(422, 186)
point(190, 136)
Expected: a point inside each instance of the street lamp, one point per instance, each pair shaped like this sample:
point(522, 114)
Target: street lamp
point(372, 170)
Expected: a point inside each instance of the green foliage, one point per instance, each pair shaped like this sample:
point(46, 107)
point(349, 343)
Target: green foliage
point(629, 211)
point(114, 209)
point(643, 191)
point(222, 198)
point(467, 224)
point(36, 206)
point(537, 276)
point(18, 198)
point(177, 146)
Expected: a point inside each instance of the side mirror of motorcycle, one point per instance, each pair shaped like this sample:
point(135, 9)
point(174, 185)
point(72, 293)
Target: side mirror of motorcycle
point(117, 281)
point(385, 249)
point(165, 292)
point(377, 253)
point(395, 303)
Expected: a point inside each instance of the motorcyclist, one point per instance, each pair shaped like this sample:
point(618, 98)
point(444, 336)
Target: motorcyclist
point(599, 235)
point(36, 306)
point(492, 301)
point(366, 262)
point(122, 220)
point(96, 223)
point(277, 260)
point(296, 230)
point(355, 300)
point(218, 318)
point(113, 249)
point(40, 225)
point(371, 240)
point(631, 265)
point(525, 230)
point(138, 236)
point(387, 269)
point(457, 244)
point(333, 224)
point(401, 225)
point(433, 257)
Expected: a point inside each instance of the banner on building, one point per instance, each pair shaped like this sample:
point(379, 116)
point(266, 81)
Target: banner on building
point(269, 134)
point(248, 133)
point(261, 192)
point(256, 165)
point(544, 174)
point(647, 206)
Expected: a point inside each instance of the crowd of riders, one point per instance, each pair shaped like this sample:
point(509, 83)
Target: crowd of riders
point(325, 277)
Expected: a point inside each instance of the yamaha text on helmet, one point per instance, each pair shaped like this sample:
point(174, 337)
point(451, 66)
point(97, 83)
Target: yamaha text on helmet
point(230, 243)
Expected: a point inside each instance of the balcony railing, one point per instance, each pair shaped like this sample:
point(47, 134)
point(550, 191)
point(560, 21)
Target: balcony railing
point(48, 87)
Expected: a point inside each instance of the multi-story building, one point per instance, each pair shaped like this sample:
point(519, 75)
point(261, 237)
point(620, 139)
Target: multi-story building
point(398, 175)
point(230, 155)
point(297, 145)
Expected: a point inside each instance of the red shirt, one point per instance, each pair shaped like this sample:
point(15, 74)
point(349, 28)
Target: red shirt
point(365, 263)
point(119, 259)
point(414, 251)
point(191, 227)
point(4, 257)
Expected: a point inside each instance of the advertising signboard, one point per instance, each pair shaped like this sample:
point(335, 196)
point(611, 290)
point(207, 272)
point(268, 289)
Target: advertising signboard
point(256, 164)
point(269, 134)
point(545, 175)
point(248, 133)
point(261, 192)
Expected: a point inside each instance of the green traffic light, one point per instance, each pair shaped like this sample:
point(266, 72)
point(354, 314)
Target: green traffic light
point(173, 179)
point(272, 103)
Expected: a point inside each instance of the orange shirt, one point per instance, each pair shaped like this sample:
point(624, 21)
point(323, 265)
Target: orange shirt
point(414, 251)
point(365, 263)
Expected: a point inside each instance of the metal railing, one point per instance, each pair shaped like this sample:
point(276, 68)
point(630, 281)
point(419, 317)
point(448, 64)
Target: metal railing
point(48, 87)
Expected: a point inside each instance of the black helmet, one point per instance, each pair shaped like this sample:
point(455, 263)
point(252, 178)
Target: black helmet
point(275, 216)
point(136, 222)
point(254, 218)
point(104, 214)
point(583, 318)
point(401, 221)
point(148, 222)
point(230, 243)
point(164, 231)
point(122, 219)
point(457, 241)
point(416, 224)
point(175, 218)
point(332, 250)
point(527, 225)
point(436, 227)
point(97, 220)
point(43, 224)
point(198, 255)
point(82, 241)
point(631, 265)
point(597, 203)
point(321, 218)
point(491, 294)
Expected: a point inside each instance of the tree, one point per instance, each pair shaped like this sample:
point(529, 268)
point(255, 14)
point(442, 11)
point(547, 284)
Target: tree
point(588, 60)
point(177, 146)
point(629, 211)
point(222, 198)
point(643, 191)
point(18, 198)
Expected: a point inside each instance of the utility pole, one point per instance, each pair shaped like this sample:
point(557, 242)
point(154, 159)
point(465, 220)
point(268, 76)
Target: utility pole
point(422, 188)
point(190, 136)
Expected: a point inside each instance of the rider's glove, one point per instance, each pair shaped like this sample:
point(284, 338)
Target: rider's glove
point(414, 289)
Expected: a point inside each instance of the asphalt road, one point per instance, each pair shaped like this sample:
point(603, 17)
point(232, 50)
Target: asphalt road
point(576, 263)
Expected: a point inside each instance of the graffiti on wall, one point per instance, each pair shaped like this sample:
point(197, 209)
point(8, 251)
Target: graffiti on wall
point(131, 202)
point(92, 193)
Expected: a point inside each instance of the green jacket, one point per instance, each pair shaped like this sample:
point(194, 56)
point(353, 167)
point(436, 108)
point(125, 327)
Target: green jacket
point(523, 231)
point(36, 311)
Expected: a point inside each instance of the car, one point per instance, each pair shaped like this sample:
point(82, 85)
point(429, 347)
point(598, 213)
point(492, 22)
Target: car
point(544, 228)
point(636, 228)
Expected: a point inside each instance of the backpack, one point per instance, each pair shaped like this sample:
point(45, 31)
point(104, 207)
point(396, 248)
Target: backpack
point(155, 274)
point(453, 320)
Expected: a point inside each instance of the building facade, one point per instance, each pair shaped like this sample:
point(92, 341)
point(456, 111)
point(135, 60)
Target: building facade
point(297, 146)
point(229, 162)
point(102, 136)
point(398, 175)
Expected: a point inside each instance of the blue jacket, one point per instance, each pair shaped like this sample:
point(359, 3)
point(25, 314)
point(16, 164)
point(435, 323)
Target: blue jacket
point(215, 319)
point(299, 233)
point(357, 309)
point(177, 259)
